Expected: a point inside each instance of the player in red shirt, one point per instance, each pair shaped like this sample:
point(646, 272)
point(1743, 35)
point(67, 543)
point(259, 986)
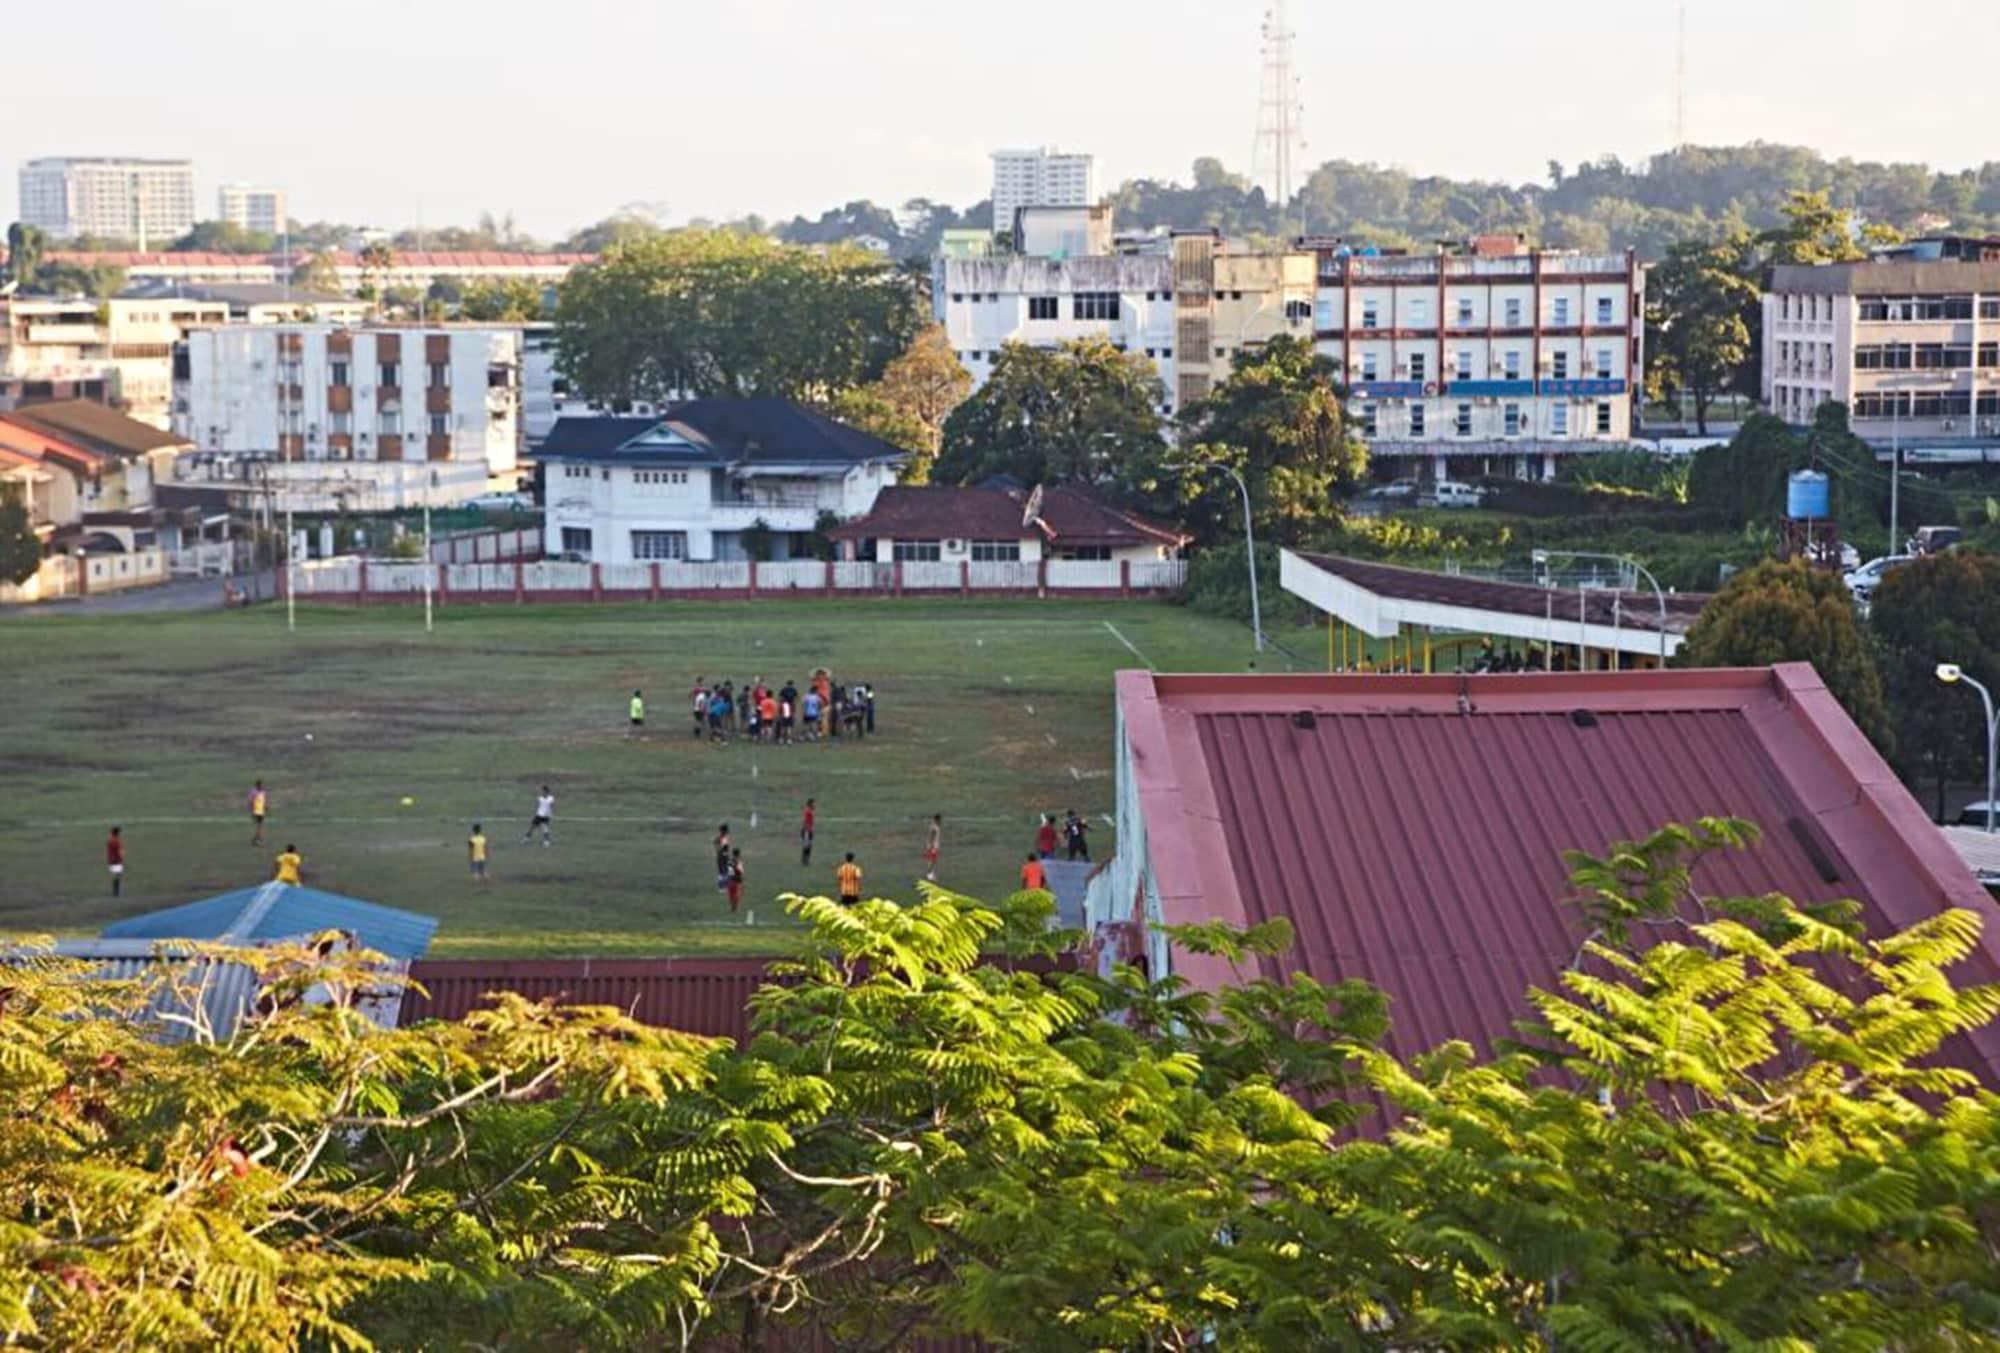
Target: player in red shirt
point(1045, 837)
point(114, 859)
point(806, 835)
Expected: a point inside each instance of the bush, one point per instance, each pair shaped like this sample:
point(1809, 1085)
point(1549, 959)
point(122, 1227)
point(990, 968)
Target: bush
point(1218, 584)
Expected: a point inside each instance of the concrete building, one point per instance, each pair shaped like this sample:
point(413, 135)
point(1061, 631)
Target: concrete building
point(261, 210)
point(952, 523)
point(688, 484)
point(1494, 359)
point(1188, 303)
point(120, 350)
point(355, 418)
point(407, 268)
point(1042, 177)
point(147, 201)
point(1909, 341)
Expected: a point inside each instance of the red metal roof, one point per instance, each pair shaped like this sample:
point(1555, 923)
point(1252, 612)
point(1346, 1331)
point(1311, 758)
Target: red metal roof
point(696, 995)
point(1065, 516)
point(1416, 842)
point(1599, 605)
point(403, 258)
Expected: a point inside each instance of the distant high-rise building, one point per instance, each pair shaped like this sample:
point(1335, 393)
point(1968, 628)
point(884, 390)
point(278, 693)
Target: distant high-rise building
point(261, 210)
point(148, 201)
point(1044, 177)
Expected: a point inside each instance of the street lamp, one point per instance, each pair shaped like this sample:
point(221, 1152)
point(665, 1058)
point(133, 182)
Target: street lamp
point(1950, 673)
point(1249, 547)
point(1542, 557)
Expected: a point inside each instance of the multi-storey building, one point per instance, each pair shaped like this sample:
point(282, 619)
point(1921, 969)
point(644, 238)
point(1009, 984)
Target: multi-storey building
point(407, 268)
point(120, 350)
point(261, 210)
point(1042, 177)
point(412, 414)
point(1495, 360)
point(142, 200)
point(1909, 341)
point(1187, 303)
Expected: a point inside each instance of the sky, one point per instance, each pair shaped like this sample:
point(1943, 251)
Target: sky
point(398, 112)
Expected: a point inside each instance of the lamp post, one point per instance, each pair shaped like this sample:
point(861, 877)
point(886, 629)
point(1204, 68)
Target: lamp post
point(1543, 557)
point(1249, 551)
point(1950, 673)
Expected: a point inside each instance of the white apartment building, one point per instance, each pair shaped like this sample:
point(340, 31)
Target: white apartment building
point(149, 201)
point(1042, 177)
point(121, 348)
point(410, 414)
point(1186, 303)
point(1909, 342)
point(261, 210)
point(688, 483)
point(1496, 360)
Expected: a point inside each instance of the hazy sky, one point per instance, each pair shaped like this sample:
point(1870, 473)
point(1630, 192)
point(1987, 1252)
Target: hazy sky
point(387, 111)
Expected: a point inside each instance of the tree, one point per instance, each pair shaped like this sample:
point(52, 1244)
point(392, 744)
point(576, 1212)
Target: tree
point(1788, 612)
point(25, 247)
point(223, 237)
point(1079, 413)
point(377, 258)
point(1744, 481)
point(1940, 608)
point(908, 406)
point(1277, 419)
point(20, 548)
point(507, 299)
point(1813, 231)
point(1701, 304)
point(317, 272)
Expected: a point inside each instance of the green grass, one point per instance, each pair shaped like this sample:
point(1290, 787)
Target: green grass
point(160, 723)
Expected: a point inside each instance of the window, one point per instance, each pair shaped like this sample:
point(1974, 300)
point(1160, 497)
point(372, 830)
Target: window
point(1561, 304)
point(340, 424)
point(1943, 356)
point(658, 544)
point(1370, 315)
point(1603, 418)
point(390, 423)
point(1559, 365)
point(1416, 420)
point(1298, 310)
point(1604, 364)
point(1510, 363)
point(388, 375)
point(958, 298)
point(440, 425)
point(1989, 307)
point(1462, 421)
point(1465, 310)
point(1094, 305)
point(1989, 354)
point(1369, 366)
point(1882, 357)
point(1514, 313)
point(1166, 352)
point(1559, 420)
point(1464, 371)
point(1369, 422)
point(1604, 310)
point(1222, 352)
point(1101, 553)
point(576, 539)
point(917, 551)
point(1419, 365)
point(1323, 312)
point(975, 355)
point(440, 375)
point(336, 373)
point(1041, 307)
point(996, 551)
point(1420, 311)
point(658, 481)
point(1510, 420)
point(288, 372)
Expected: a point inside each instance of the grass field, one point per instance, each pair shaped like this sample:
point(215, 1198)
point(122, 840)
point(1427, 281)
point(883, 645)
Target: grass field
point(988, 712)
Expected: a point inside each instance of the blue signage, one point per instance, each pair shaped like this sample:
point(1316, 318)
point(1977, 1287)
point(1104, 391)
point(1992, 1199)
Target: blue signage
point(1469, 388)
point(1388, 390)
point(1583, 387)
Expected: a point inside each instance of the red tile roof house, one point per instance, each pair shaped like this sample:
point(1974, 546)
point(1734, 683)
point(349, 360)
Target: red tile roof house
point(1006, 539)
point(1412, 827)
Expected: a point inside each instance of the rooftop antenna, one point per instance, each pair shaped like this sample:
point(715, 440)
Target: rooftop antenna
point(1280, 115)
point(1681, 76)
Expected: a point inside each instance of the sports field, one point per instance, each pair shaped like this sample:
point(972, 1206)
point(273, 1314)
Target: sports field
point(987, 712)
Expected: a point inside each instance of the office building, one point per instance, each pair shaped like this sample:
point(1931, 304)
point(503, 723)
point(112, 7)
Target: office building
point(258, 210)
point(1909, 341)
point(119, 351)
point(1043, 177)
point(148, 201)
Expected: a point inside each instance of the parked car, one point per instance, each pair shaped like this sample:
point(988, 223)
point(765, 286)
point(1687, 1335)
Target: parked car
point(1450, 493)
point(1973, 814)
point(502, 502)
point(1933, 540)
point(1396, 490)
point(1863, 581)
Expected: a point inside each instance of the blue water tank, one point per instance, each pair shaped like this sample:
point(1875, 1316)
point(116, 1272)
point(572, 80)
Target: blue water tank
point(1807, 496)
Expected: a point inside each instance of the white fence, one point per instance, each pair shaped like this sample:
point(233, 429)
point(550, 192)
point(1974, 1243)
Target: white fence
point(352, 579)
point(483, 547)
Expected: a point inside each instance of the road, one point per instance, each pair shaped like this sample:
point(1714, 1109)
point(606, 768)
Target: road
point(188, 594)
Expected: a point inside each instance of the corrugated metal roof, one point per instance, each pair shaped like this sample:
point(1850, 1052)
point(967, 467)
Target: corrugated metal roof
point(1412, 828)
point(291, 912)
point(1979, 848)
point(1598, 605)
point(696, 995)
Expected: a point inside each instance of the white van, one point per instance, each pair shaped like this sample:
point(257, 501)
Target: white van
point(1451, 493)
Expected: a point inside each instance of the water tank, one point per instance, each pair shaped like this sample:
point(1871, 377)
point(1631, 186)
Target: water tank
point(1807, 497)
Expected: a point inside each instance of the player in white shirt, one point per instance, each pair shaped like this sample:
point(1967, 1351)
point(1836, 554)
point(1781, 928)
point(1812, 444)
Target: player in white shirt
point(545, 812)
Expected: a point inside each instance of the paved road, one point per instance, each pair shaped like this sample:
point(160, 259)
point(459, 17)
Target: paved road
point(188, 594)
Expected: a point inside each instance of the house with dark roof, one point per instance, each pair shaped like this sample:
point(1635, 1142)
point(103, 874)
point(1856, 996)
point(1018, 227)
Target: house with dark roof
point(993, 523)
point(691, 481)
point(1412, 828)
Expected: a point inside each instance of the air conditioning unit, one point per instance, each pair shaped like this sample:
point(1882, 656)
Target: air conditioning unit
point(954, 547)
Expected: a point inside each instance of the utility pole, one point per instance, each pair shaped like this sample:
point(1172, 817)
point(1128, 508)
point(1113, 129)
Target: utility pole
point(430, 568)
point(291, 581)
point(1895, 473)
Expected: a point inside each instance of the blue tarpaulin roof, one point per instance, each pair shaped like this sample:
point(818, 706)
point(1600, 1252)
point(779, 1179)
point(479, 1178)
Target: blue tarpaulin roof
point(250, 916)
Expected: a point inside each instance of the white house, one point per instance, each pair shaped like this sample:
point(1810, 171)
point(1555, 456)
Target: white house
point(688, 483)
point(994, 523)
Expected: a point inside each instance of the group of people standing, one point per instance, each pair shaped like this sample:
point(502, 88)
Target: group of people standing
point(757, 710)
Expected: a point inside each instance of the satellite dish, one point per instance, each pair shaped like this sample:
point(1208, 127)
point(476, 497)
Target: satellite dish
point(1033, 509)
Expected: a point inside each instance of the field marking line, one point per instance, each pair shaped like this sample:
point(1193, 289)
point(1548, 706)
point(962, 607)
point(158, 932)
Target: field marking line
point(1049, 738)
point(1029, 708)
point(1129, 644)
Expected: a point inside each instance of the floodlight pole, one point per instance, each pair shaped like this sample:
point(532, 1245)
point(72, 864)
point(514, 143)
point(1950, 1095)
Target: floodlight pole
point(291, 580)
point(429, 568)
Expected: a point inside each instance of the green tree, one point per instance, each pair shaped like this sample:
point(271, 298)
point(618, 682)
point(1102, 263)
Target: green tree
point(224, 237)
point(1744, 480)
point(909, 404)
point(1788, 612)
point(1940, 608)
point(1079, 413)
point(317, 272)
point(507, 299)
point(1814, 230)
point(98, 280)
point(25, 246)
point(1701, 308)
point(20, 548)
point(1278, 420)
point(377, 258)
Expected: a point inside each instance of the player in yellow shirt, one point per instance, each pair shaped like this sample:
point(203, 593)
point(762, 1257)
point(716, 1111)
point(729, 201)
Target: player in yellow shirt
point(475, 847)
point(259, 803)
point(848, 876)
point(288, 865)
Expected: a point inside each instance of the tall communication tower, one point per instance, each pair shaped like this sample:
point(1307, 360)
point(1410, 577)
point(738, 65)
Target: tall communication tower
point(1280, 114)
point(1681, 76)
